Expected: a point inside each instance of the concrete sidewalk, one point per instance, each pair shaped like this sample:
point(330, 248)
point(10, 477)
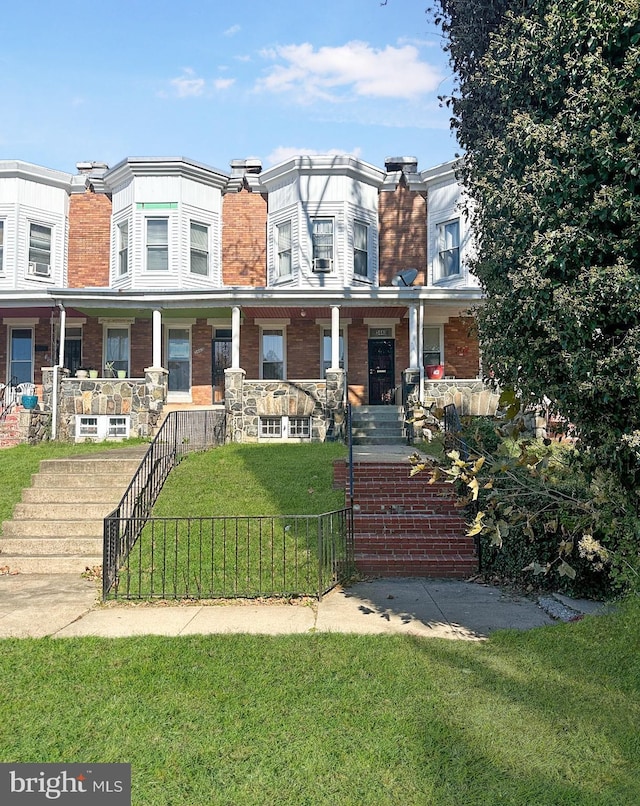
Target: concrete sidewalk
point(68, 606)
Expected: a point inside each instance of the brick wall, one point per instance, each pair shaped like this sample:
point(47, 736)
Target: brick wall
point(201, 392)
point(244, 247)
point(89, 239)
point(403, 233)
point(461, 349)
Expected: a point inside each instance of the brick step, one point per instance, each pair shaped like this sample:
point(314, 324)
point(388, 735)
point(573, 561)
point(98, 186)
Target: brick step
point(400, 566)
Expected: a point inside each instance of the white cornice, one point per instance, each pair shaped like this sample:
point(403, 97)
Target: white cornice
point(16, 169)
point(323, 165)
point(131, 167)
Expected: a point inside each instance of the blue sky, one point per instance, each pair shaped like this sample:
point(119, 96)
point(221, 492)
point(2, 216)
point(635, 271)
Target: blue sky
point(216, 80)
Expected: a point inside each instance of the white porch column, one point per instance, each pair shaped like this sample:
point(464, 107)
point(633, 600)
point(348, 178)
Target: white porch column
point(63, 330)
point(157, 339)
point(413, 337)
point(335, 337)
point(235, 337)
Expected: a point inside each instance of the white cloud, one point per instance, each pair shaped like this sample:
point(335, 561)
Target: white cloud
point(223, 83)
point(235, 29)
point(283, 153)
point(334, 73)
point(188, 85)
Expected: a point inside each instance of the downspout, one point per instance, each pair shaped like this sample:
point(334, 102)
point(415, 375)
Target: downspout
point(56, 368)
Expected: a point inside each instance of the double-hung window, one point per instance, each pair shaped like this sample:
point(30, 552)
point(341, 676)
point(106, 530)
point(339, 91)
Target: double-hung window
point(360, 249)
point(322, 241)
point(432, 345)
point(449, 248)
point(39, 250)
point(273, 354)
point(283, 237)
point(199, 255)
point(123, 248)
point(116, 354)
point(157, 244)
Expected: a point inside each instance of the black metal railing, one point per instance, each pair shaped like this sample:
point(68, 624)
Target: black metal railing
point(181, 433)
point(227, 557)
point(453, 434)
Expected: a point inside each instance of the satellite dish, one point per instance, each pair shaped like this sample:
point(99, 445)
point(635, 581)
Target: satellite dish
point(405, 277)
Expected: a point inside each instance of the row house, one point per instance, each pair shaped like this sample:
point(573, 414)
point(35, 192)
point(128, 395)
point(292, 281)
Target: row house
point(279, 294)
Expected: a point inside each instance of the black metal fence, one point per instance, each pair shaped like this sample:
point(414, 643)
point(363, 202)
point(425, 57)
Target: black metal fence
point(227, 557)
point(181, 433)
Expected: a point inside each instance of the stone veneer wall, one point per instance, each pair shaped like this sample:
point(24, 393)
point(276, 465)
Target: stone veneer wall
point(248, 400)
point(470, 397)
point(141, 399)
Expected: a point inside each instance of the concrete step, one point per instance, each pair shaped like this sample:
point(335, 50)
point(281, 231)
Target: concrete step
point(51, 528)
point(51, 564)
point(81, 495)
point(79, 480)
point(90, 466)
point(378, 440)
point(28, 511)
point(40, 546)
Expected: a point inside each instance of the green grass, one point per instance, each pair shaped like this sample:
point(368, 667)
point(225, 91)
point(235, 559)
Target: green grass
point(539, 718)
point(18, 464)
point(242, 555)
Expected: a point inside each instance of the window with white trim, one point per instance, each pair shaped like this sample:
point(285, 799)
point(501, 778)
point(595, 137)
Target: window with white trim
point(283, 241)
point(326, 350)
point(300, 427)
point(1, 245)
point(199, 254)
point(102, 426)
point(271, 427)
point(40, 250)
point(322, 242)
point(116, 349)
point(360, 249)
point(449, 248)
point(432, 345)
point(157, 244)
point(272, 350)
point(123, 248)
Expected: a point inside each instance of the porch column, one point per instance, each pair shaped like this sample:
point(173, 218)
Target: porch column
point(235, 337)
point(63, 330)
point(157, 339)
point(335, 337)
point(413, 337)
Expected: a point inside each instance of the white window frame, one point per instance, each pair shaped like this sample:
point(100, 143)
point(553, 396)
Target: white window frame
point(440, 330)
point(123, 233)
point(37, 268)
point(101, 427)
point(2, 220)
point(298, 427)
point(270, 427)
point(356, 224)
point(282, 251)
point(196, 251)
point(325, 364)
point(115, 325)
point(156, 248)
point(284, 427)
point(272, 329)
point(445, 251)
point(322, 251)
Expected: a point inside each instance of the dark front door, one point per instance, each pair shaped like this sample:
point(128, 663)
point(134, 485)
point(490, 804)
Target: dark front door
point(381, 371)
point(220, 360)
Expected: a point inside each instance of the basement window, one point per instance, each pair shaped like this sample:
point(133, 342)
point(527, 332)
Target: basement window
point(101, 427)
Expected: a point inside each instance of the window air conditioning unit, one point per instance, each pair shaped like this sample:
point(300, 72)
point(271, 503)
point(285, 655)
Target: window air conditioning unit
point(322, 265)
point(39, 269)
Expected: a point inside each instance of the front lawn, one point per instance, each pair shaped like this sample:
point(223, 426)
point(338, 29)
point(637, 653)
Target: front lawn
point(537, 718)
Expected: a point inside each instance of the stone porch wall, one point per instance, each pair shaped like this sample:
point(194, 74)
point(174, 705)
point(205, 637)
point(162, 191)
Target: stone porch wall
point(246, 401)
point(470, 397)
point(141, 399)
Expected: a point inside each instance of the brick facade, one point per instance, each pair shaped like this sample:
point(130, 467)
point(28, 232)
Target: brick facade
point(244, 241)
point(403, 233)
point(89, 240)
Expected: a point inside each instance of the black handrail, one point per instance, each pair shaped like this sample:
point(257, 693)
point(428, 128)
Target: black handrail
point(181, 433)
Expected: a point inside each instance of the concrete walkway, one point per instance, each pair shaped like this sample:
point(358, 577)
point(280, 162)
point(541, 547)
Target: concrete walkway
point(68, 606)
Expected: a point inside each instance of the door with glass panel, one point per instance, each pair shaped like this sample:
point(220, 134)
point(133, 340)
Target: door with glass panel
point(21, 355)
point(179, 362)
